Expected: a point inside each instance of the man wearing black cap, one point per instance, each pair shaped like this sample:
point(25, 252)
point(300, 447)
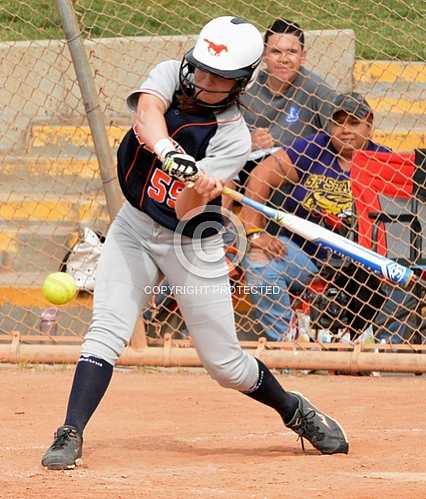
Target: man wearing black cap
point(313, 177)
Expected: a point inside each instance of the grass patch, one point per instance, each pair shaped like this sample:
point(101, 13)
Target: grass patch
point(385, 29)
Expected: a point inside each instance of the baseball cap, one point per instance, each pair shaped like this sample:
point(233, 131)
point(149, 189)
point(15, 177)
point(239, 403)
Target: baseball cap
point(352, 103)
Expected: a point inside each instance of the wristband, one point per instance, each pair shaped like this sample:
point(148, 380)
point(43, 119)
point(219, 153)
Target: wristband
point(162, 147)
point(253, 236)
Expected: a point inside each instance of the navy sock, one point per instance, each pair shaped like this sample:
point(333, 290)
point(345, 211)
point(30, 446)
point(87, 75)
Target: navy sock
point(269, 392)
point(91, 379)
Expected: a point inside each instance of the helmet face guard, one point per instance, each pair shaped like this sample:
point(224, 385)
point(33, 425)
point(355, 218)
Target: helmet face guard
point(228, 47)
point(191, 90)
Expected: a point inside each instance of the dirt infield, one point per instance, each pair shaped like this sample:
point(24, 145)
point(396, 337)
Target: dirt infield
point(179, 435)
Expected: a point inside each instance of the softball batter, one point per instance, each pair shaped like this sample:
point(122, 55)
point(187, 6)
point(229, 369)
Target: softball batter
point(188, 127)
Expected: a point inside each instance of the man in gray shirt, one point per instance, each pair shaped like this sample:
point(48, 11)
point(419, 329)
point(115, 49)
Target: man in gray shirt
point(287, 101)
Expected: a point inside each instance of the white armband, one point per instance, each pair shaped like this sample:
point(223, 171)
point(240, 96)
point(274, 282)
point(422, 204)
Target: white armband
point(163, 146)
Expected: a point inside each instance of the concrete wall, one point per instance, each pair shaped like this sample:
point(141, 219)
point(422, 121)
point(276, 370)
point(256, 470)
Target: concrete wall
point(38, 81)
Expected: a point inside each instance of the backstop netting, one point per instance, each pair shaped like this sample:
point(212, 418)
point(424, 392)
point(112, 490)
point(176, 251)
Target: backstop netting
point(54, 210)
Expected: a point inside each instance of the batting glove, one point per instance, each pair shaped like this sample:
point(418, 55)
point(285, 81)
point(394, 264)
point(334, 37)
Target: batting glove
point(180, 165)
point(175, 161)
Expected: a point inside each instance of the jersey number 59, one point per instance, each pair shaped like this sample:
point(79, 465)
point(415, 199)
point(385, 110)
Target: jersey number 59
point(164, 188)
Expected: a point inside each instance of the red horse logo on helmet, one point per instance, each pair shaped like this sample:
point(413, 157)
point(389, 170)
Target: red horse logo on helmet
point(215, 49)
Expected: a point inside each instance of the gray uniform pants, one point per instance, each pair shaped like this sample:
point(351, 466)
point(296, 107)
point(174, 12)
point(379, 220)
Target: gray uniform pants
point(136, 253)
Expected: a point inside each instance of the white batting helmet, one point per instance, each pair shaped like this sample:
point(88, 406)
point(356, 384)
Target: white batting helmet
point(229, 47)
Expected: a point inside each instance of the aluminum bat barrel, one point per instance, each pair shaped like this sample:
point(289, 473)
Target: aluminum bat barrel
point(389, 269)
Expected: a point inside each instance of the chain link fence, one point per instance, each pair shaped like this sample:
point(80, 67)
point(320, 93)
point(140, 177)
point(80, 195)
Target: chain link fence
point(52, 190)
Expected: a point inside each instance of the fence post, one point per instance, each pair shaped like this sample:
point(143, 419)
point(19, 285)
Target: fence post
point(94, 113)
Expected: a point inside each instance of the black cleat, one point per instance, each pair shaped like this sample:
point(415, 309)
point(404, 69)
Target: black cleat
point(66, 450)
point(323, 432)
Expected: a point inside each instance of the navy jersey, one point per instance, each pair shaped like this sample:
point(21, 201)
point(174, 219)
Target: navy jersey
point(219, 141)
point(150, 189)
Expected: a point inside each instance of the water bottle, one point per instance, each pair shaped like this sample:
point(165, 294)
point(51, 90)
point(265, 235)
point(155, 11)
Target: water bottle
point(367, 336)
point(303, 326)
point(345, 336)
point(292, 329)
point(324, 336)
point(49, 321)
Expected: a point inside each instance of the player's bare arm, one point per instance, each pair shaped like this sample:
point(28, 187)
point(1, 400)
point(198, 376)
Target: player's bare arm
point(203, 190)
point(151, 129)
point(150, 124)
